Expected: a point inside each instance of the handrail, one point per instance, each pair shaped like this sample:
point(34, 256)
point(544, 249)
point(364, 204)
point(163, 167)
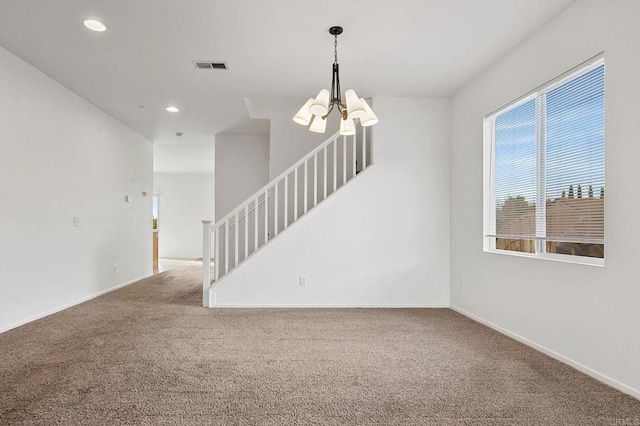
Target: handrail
point(240, 213)
point(276, 179)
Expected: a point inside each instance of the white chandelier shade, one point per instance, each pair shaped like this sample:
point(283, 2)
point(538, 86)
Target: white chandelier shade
point(320, 107)
point(354, 106)
point(369, 119)
point(319, 124)
point(347, 128)
point(304, 115)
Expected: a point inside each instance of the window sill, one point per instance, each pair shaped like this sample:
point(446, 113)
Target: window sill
point(579, 260)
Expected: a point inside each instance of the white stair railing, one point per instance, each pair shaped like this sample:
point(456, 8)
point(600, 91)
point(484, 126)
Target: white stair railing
point(280, 203)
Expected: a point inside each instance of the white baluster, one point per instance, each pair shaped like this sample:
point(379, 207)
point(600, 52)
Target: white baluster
point(286, 201)
point(216, 254)
point(226, 246)
point(364, 148)
point(324, 175)
point(335, 164)
point(266, 215)
point(255, 224)
point(246, 231)
point(315, 179)
point(236, 245)
point(305, 186)
point(275, 210)
point(353, 158)
point(344, 160)
point(295, 194)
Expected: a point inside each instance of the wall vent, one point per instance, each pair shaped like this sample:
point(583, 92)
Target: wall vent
point(208, 65)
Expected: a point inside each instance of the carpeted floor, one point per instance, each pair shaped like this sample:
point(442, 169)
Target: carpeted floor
point(149, 354)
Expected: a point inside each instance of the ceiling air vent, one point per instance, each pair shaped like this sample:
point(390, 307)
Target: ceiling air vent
point(207, 65)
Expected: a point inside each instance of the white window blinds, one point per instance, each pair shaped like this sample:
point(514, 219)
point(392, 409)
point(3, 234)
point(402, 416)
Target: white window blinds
point(548, 170)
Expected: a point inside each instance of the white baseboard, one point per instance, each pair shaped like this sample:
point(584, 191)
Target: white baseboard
point(588, 371)
point(68, 305)
point(322, 306)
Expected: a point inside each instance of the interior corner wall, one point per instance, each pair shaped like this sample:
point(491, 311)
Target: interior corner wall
point(242, 168)
point(586, 315)
point(184, 201)
point(381, 240)
point(62, 158)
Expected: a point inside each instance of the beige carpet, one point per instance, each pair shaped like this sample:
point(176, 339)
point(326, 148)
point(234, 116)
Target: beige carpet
point(148, 354)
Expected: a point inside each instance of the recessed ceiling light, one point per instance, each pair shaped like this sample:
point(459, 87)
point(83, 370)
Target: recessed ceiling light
point(172, 109)
point(94, 25)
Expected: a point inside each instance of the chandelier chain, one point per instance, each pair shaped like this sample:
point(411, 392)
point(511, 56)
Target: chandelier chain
point(335, 50)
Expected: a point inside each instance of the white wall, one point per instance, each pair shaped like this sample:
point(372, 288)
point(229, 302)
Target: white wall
point(185, 199)
point(586, 315)
point(63, 158)
point(382, 240)
point(289, 141)
point(242, 168)
point(185, 157)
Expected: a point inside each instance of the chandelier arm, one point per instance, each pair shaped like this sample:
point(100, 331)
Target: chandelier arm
point(335, 57)
point(336, 96)
point(324, 117)
point(339, 97)
point(333, 83)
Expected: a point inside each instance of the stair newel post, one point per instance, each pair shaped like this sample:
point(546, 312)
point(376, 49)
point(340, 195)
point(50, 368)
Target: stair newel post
point(206, 261)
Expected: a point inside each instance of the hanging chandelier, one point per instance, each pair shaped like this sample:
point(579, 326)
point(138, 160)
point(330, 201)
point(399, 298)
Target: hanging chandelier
point(319, 108)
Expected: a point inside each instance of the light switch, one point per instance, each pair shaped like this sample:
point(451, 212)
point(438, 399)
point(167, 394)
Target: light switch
point(76, 222)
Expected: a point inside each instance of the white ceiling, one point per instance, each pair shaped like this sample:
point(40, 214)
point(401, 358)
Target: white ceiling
point(276, 48)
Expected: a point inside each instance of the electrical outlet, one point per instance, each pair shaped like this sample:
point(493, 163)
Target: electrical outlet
point(115, 268)
point(461, 285)
point(304, 280)
point(76, 222)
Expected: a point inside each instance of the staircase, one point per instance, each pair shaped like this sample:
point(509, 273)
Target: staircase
point(279, 204)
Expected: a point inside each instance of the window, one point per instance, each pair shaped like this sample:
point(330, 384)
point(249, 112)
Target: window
point(544, 171)
point(155, 212)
